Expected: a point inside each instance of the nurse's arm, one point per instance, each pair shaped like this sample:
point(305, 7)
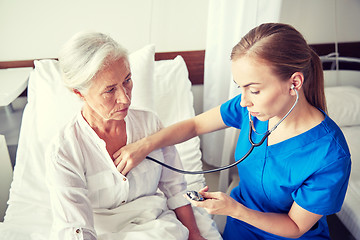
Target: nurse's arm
point(292, 225)
point(131, 155)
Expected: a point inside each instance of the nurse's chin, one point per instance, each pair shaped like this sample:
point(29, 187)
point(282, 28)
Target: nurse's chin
point(262, 118)
point(259, 116)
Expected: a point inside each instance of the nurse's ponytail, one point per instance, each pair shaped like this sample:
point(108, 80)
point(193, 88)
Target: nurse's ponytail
point(314, 87)
point(285, 49)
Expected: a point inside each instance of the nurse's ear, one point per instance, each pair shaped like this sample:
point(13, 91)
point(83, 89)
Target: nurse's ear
point(296, 82)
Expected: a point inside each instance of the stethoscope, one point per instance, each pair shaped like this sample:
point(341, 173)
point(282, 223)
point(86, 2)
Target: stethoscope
point(253, 145)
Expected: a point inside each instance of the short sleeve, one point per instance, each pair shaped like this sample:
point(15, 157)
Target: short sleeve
point(232, 113)
point(324, 192)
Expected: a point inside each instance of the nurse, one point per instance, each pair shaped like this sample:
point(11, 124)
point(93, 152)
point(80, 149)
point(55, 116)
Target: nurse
point(300, 174)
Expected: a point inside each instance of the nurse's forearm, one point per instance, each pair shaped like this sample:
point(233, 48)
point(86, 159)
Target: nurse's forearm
point(171, 135)
point(275, 223)
point(179, 132)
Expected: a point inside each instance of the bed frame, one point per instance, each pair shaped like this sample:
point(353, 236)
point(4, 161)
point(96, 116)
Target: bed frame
point(194, 61)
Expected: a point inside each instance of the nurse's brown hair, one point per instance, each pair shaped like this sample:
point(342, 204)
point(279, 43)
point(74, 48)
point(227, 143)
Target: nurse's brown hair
point(286, 50)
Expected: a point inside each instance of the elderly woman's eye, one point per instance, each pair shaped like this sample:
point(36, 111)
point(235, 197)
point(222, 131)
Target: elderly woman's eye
point(127, 81)
point(110, 90)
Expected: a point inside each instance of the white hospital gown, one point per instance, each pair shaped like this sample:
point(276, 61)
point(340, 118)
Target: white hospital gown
point(91, 200)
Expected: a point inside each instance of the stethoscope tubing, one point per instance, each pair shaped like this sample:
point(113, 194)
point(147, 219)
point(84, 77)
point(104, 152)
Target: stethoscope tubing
point(253, 145)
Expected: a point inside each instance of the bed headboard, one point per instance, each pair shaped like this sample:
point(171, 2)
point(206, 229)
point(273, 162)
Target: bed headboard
point(195, 59)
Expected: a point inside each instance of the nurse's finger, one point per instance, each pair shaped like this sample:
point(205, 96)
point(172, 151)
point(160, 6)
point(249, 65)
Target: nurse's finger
point(116, 160)
point(211, 195)
point(117, 153)
point(126, 169)
point(205, 189)
point(121, 166)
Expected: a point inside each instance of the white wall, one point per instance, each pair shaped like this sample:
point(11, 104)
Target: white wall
point(38, 28)
point(324, 21)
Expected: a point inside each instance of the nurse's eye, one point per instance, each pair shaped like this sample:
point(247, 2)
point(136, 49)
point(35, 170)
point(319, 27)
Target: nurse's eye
point(255, 92)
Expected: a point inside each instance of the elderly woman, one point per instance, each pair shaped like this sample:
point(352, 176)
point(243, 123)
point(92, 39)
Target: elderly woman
point(90, 198)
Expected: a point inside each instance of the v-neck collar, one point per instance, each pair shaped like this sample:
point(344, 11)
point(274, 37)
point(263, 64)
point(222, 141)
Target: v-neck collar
point(302, 139)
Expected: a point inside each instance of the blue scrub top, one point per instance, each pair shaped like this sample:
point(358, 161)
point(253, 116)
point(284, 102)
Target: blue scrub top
point(311, 169)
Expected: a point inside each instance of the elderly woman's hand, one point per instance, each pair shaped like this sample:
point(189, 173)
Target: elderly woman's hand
point(129, 156)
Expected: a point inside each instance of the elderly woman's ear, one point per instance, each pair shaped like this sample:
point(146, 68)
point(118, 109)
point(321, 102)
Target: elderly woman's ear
point(78, 93)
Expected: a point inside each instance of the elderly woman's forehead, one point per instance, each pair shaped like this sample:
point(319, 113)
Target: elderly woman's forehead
point(109, 63)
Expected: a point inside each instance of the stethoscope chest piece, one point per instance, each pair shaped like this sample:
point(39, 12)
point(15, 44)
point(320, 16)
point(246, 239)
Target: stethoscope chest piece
point(194, 195)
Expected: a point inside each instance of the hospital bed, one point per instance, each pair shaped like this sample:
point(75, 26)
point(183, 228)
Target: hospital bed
point(344, 107)
point(343, 100)
point(171, 78)
point(342, 90)
point(161, 86)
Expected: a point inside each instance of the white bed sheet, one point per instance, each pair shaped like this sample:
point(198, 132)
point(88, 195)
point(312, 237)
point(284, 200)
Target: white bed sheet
point(350, 211)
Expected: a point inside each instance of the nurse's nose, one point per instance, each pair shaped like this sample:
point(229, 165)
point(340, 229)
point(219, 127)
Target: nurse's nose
point(245, 102)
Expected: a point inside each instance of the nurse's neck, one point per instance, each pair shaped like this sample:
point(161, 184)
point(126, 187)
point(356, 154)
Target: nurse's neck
point(303, 118)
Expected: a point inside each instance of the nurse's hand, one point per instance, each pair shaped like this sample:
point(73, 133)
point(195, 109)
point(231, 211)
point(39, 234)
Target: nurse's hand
point(129, 156)
point(216, 202)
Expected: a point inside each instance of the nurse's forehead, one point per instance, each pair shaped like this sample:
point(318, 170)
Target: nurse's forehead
point(249, 71)
point(247, 84)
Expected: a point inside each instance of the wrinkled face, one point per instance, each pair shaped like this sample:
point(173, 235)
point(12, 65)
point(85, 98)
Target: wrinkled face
point(109, 95)
point(263, 93)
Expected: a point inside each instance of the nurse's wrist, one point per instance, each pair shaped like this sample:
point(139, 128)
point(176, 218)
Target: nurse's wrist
point(147, 145)
point(238, 211)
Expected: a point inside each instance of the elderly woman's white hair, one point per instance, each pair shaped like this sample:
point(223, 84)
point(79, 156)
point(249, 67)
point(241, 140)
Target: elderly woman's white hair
point(84, 55)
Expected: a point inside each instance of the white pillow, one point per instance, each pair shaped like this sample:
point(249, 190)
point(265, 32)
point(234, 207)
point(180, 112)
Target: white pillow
point(142, 70)
point(50, 106)
point(343, 103)
point(173, 103)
